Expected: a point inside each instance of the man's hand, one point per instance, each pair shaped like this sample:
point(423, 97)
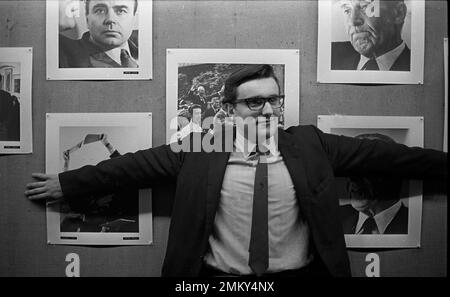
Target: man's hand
point(47, 187)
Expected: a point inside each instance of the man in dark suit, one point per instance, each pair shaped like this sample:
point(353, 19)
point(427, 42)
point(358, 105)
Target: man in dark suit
point(250, 207)
point(375, 206)
point(9, 117)
point(375, 41)
point(110, 42)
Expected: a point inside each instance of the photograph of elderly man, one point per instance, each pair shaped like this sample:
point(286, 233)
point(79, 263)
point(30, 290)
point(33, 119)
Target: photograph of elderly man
point(375, 39)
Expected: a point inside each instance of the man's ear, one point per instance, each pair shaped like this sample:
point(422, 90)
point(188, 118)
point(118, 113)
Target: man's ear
point(400, 13)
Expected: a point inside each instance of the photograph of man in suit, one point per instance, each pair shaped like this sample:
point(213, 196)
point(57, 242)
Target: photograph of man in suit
point(375, 41)
point(262, 208)
point(375, 206)
point(110, 41)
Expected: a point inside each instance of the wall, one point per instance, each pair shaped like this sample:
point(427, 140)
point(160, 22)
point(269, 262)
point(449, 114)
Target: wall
point(205, 24)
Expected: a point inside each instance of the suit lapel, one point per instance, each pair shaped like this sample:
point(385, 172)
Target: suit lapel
point(292, 156)
point(217, 164)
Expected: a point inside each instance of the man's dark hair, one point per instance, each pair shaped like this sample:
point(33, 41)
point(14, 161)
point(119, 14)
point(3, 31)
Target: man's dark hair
point(245, 74)
point(86, 3)
point(381, 187)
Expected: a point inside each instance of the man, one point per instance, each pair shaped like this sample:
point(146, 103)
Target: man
point(375, 206)
point(9, 117)
point(265, 208)
point(375, 41)
point(110, 41)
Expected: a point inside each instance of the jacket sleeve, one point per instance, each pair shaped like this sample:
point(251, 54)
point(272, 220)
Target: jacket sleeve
point(141, 169)
point(351, 156)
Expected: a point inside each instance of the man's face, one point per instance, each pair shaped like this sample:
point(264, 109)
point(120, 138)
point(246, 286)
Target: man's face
point(370, 34)
point(110, 23)
point(266, 123)
point(361, 196)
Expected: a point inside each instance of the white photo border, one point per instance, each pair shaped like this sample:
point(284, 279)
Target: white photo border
point(144, 72)
point(143, 122)
point(24, 56)
point(290, 58)
point(415, 136)
point(414, 76)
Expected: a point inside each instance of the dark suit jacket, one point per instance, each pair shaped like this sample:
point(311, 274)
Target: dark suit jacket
point(345, 57)
point(399, 225)
point(82, 53)
point(313, 159)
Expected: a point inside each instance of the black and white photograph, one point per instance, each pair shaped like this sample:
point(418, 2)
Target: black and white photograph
point(99, 39)
point(15, 100)
point(75, 140)
point(371, 41)
point(382, 212)
point(196, 81)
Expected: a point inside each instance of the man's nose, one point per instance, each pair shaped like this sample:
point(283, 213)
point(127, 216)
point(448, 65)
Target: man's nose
point(110, 18)
point(267, 109)
point(356, 17)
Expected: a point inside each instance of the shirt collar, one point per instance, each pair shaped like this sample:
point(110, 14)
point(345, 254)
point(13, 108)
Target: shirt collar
point(115, 52)
point(382, 219)
point(386, 60)
point(246, 146)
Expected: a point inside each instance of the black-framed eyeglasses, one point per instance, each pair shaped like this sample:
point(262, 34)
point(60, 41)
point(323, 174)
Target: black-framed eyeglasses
point(257, 103)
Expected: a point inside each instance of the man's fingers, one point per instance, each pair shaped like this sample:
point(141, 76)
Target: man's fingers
point(38, 196)
point(41, 176)
point(35, 185)
point(35, 191)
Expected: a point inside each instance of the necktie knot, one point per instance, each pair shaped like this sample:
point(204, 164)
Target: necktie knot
point(370, 226)
point(371, 65)
point(126, 60)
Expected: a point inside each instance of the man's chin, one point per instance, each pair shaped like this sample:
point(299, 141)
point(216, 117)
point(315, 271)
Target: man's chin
point(363, 47)
point(111, 42)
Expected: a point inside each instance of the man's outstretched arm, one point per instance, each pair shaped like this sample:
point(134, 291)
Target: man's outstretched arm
point(133, 170)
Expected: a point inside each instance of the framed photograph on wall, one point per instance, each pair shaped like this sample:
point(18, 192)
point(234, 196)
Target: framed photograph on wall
point(371, 41)
point(195, 78)
point(77, 139)
point(15, 100)
point(379, 212)
point(99, 40)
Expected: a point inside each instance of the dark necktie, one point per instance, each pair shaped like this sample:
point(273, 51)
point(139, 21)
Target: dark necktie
point(370, 65)
point(369, 226)
point(126, 60)
point(259, 239)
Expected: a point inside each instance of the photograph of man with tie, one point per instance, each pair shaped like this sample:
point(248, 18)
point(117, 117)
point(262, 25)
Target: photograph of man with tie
point(375, 37)
point(265, 207)
point(111, 40)
point(375, 202)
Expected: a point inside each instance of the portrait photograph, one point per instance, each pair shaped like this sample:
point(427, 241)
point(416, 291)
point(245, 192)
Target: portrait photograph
point(15, 101)
point(379, 211)
point(371, 41)
point(99, 39)
point(75, 140)
point(196, 81)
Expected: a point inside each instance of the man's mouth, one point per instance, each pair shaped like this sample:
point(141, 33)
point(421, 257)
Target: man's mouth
point(111, 32)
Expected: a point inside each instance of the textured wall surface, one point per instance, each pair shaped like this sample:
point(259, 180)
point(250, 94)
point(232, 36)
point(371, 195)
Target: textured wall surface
point(206, 24)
